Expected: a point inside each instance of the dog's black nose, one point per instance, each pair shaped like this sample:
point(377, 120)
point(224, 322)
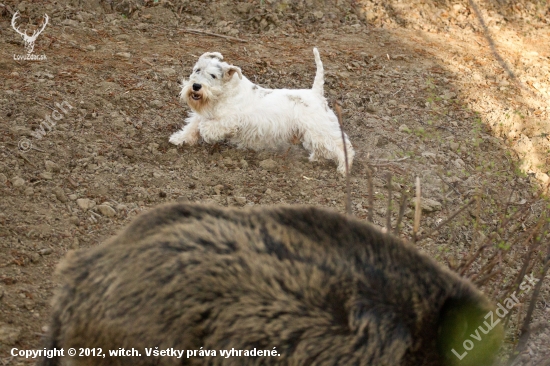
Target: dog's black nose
point(197, 87)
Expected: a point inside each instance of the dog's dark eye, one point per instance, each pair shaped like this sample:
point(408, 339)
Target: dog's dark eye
point(198, 70)
point(213, 76)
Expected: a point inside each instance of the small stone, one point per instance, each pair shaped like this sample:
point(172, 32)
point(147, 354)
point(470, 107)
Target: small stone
point(240, 201)
point(123, 54)
point(382, 141)
point(59, 194)
point(17, 182)
point(404, 128)
point(71, 22)
point(459, 163)
point(9, 335)
point(448, 95)
point(268, 164)
point(73, 197)
point(35, 257)
point(85, 203)
point(75, 244)
point(427, 204)
point(46, 175)
point(74, 220)
point(454, 146)
point(218, 189)
point(29, 304)
point(3, 178)
point(106, 210)
point(90, 48)
point(45, 251)
point(168, 71)
point(51, 166)
point(128, 152)
point(157, 174)
point(244, 163)
point(121, 207)
point(29, 191)
point(156, 104)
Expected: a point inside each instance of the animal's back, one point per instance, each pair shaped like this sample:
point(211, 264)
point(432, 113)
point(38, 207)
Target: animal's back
point(321, 288)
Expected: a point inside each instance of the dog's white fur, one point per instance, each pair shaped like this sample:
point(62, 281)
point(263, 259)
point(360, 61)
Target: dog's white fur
point(229, 106)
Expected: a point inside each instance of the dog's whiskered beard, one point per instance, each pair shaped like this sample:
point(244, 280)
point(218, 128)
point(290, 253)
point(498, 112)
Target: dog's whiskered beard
point(201, 100)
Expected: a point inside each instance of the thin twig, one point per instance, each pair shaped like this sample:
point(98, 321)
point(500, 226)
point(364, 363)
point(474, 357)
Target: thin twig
point(417, 210)
point(472, 259)
point(476, 233)
point(196, 31)
point(448, 184)
point(370, 192)
point(527, 258)
point(525, 329)
point(26, 159)
point(402, 207)
point(446, 221)
point(43, 105)
point(348, 190)
point(388, 208)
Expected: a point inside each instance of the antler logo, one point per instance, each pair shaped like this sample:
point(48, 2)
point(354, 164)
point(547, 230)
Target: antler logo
point(29, 40)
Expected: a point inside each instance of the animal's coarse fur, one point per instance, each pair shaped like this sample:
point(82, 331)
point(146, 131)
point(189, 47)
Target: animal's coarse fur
point(322, 288)
point(226, 105)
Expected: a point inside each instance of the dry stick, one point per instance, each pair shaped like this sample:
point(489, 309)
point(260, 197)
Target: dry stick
point(449, 219)
point(402, 207)
point(370, 189)
point(500, 250)
point(506, 204)
point(417, 209)
point(507, 220)
point(449, 184)
point(525, 329)
point(472, 259)
point(196, 31)
point(19, 154)
point(525, 268)
point(388, 210)
point(348, 191)
point(487, 268)
point(487, 278)
point(476, 222)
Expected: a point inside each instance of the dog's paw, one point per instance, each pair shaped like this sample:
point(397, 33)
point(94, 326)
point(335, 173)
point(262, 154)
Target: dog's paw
point(342, 170)
point(181, 137)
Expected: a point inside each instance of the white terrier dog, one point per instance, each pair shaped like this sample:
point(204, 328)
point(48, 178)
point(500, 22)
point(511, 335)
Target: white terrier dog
point(226, 105)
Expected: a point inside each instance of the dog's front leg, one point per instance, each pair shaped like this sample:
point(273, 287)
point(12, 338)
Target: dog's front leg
point(190, 134)
point(214, 131)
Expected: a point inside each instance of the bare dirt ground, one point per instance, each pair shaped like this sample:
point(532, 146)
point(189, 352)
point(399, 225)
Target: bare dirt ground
point(427, 90)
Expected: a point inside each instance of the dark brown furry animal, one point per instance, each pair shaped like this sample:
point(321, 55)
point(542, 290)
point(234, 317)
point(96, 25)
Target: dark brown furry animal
point(322, 288)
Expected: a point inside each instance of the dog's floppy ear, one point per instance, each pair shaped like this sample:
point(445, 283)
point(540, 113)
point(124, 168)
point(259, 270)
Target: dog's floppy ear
point(229, 71)
point(212, 55)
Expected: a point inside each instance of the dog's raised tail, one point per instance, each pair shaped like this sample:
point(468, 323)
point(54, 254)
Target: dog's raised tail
point(319, 75)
